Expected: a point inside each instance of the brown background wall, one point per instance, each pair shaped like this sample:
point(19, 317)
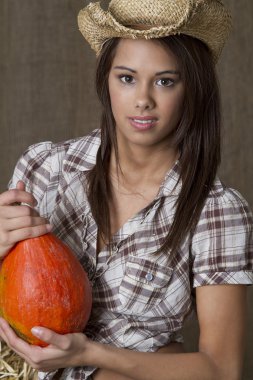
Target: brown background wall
point(47, 93)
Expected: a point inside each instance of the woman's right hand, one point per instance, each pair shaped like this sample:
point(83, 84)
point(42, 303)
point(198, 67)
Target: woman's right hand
point(19, 221)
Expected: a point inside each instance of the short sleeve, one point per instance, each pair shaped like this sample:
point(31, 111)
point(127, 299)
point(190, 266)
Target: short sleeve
point(34, 169)
point(222, 245)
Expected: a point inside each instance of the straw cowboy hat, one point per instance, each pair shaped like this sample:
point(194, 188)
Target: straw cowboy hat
point(207, 20)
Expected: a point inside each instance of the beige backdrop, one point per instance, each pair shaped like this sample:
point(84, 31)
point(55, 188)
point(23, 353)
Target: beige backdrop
point(47, 93)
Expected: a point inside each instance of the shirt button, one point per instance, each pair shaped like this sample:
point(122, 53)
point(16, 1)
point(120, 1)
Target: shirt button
point(149, 277)
point(115, 249)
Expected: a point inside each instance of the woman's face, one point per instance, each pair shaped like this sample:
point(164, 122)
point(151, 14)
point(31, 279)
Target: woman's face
point(146, 92)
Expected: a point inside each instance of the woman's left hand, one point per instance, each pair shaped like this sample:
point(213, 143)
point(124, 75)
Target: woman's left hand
point(62, 351)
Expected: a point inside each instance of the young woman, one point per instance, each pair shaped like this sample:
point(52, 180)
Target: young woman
point(140, 204)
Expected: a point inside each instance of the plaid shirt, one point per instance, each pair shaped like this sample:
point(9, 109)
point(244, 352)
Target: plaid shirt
point(140, 300)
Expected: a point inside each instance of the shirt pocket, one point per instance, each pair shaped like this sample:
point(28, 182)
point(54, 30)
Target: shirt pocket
point(143, 285)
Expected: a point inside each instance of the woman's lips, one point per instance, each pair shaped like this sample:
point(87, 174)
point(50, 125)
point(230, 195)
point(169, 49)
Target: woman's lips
point(143, 123)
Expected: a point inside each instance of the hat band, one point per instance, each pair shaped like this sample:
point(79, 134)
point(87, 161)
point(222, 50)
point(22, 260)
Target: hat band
point(140, 26)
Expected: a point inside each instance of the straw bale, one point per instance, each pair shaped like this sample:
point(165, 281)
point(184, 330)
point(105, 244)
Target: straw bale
point(13, 366)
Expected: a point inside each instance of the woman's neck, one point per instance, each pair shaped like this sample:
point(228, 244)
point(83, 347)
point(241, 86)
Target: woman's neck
point(142, 164)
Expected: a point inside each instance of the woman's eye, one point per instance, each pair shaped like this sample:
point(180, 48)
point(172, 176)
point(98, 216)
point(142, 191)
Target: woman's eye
point(126, 79)
point(165, 82)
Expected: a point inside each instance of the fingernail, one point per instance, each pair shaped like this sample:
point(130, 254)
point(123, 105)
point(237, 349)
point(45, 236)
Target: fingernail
point(36, 331)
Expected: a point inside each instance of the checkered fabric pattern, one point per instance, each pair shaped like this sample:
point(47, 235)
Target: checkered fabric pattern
point(140, 300)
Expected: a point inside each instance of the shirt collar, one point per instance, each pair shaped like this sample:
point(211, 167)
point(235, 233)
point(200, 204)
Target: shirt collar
point(172, 183)
point(81, 156)
point(82, 153)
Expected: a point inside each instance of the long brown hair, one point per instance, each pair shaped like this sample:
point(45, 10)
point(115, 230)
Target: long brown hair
point(197, 137)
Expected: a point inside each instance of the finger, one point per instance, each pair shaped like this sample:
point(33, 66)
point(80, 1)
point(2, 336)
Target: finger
point(20, 185)
point(23, 222)
point(51, 337)
point(17, 196)
point(12, 340)
point(9, 212)
point(30, 353)
point(12, 237)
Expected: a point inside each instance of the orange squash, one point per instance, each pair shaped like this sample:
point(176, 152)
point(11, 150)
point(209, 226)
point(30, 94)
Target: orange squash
point(42, 283)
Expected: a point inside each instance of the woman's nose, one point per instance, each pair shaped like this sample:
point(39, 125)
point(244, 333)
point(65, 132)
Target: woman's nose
point(144, 99)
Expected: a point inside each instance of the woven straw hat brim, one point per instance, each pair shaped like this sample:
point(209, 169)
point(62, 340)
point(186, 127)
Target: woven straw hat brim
point(207, 20)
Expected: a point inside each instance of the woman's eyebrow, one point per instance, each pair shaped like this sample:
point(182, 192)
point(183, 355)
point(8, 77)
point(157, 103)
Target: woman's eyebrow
point(125, 68)
point(175, 72)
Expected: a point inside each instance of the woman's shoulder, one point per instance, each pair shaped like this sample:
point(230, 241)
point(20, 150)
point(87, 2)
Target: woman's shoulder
point(226, 211)
point(223, 196)
point(222, 243)
point(53, 156)
point(76, 145)
point(43, 161)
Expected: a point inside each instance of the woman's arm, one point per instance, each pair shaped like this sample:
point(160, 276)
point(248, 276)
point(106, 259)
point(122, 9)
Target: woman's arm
point(221, 312)
point(104, 374)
